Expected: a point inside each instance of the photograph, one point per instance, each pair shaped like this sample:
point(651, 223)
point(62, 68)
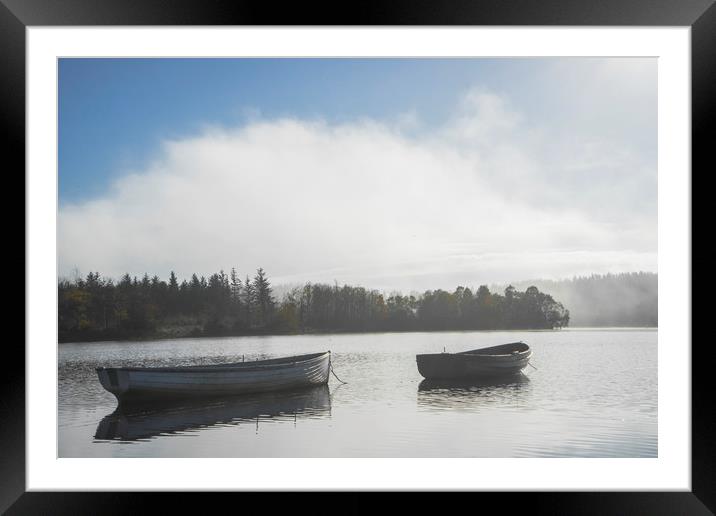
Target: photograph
point(435, 250)
point(357, 257)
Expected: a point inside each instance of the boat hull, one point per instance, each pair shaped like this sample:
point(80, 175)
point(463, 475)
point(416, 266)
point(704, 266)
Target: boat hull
point(136, 385)
point(504, 360)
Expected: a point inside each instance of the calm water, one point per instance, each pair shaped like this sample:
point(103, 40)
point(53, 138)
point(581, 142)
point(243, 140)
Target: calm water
point(593, 394)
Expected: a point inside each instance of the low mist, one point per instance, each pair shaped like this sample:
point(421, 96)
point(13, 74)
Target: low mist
point(628, 299)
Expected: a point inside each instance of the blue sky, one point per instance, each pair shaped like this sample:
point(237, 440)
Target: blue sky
point(114, 113)
point(587, 126)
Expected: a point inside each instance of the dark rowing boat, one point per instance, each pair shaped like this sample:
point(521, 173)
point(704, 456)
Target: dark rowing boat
point(139, 384)
point(502, 360)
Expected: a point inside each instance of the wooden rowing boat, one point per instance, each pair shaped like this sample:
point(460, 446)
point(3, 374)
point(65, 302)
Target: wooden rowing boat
point(139, 384)
point(502, 360)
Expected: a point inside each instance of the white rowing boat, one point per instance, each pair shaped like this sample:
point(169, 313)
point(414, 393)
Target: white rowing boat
point(138, 384)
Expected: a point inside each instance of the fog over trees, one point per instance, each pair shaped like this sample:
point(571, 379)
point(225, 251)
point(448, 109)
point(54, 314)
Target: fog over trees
point(627, 299)
point(98, 308)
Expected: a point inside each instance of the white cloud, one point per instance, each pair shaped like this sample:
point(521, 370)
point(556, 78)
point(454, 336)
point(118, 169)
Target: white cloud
point(483, 119)
point(485, 198)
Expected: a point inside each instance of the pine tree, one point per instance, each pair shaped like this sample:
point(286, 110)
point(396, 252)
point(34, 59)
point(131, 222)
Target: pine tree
point(249, 302)
point(264, 299)
point(172, 294)
point(235, 286)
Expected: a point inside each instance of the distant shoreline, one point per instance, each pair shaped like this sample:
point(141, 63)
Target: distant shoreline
point(347, 332)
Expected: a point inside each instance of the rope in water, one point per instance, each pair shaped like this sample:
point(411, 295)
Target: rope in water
point(330, 366)
point(532, 366)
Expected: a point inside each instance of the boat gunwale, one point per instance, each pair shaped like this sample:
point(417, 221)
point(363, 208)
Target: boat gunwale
point(480, 352)
point(278, 363)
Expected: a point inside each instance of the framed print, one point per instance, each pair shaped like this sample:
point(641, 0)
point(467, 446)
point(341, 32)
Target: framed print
point(288, 255)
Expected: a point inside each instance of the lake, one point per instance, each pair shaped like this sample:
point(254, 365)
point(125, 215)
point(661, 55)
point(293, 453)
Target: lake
point(593, 394)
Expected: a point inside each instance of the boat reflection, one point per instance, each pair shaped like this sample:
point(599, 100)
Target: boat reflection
point(472, 393)
point(146, 421)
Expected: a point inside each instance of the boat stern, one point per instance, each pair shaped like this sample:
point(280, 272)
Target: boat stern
point(439, 365)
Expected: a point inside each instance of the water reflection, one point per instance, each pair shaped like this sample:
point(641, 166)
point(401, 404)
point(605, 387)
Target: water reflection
point(472, 393)
point(144, 422)
point(586, 400)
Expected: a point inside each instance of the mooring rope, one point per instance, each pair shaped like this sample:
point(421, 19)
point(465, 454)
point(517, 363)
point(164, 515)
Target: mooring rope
point(532, 366)
point(330, 366)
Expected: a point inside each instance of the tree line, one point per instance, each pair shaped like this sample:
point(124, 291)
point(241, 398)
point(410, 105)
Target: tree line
point(98, 308)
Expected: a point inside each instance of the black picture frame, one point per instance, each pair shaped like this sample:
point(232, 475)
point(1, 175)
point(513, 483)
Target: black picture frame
point(700, 15)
